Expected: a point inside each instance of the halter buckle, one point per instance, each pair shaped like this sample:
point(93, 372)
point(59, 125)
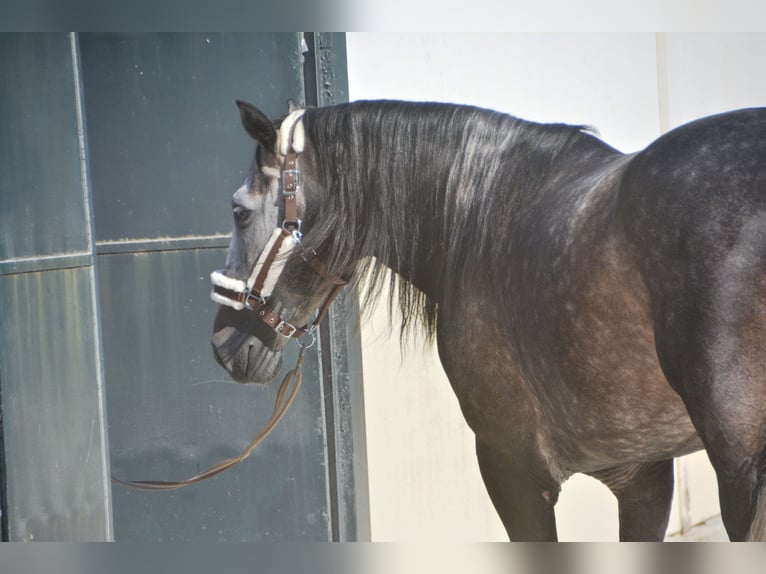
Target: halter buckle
point(250, 294)
point(311, 255)
point(294, 183)
point(284, 325)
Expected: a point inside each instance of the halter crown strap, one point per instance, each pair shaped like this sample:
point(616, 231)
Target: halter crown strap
point(290, 187)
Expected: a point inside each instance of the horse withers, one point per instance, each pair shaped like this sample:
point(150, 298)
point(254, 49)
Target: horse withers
point(595, 312)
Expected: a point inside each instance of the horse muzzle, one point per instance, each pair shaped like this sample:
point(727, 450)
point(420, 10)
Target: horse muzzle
point(244, 356)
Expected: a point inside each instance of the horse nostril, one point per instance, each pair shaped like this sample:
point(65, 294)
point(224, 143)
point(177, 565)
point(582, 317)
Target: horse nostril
point(218, 356)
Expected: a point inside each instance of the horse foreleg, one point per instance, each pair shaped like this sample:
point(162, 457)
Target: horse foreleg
point(644, 494)
point(522, 492)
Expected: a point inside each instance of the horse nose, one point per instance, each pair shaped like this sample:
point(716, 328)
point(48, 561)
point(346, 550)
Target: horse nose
point(233, 351)
point(226, 338)
point(221, 344)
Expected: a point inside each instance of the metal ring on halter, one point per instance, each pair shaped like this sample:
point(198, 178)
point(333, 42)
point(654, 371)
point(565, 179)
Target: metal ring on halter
point(296, 231)
point(297, 234)
point(303, 345)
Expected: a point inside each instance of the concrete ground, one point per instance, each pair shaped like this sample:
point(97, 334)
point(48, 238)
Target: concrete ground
point(711, 530)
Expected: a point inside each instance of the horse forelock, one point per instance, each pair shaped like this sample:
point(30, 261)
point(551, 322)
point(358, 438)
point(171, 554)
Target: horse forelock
point(428, 189)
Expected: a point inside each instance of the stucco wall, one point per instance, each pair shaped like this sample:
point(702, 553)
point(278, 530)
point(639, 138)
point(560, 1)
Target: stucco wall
point(424, 479)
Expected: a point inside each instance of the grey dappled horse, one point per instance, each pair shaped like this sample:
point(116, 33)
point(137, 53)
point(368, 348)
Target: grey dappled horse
point(595, 312)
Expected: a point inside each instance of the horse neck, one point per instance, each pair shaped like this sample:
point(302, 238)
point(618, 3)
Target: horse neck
point(431, 193)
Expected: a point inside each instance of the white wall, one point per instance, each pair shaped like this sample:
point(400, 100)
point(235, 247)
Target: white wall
point(424, 479)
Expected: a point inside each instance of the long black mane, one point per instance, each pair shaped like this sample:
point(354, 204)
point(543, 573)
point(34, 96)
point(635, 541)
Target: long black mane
point(431, 189)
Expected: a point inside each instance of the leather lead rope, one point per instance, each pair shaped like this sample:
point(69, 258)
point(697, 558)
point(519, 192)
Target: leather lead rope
point(285, 397)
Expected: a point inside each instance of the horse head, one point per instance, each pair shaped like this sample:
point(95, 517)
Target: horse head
point(272, 283)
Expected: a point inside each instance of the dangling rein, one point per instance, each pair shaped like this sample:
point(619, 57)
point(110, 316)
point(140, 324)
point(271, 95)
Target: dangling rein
point(253, 294)
point(285, 398)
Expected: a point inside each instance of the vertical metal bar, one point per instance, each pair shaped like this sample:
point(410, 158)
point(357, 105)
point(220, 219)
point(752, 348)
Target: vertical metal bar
point(324, 342)
point(684, 495)
point(326, 84)
point(4, 532)
point(331, 68)
point(309, 69)
point(348, 430)
point(94, 299)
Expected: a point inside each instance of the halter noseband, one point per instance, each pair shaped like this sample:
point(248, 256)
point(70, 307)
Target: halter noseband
point(253, 294)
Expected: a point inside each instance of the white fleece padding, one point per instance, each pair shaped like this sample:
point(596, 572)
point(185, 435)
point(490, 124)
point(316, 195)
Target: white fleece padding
point(277, 266)
point(221, 300)
point(272, 276)
point(271, 171)
point(221, 280)
point(299, 136)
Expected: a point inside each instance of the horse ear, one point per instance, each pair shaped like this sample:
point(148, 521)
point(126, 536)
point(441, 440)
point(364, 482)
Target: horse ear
point(258, 126)
point(293, 106)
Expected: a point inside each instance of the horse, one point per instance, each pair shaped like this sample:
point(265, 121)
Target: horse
point(595, 312)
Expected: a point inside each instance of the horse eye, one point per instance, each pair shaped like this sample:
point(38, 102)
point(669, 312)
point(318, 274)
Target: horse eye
point(242, 214)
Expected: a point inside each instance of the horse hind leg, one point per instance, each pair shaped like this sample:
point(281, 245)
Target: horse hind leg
point(712, 348)
point(644, 493)
point(725, 394)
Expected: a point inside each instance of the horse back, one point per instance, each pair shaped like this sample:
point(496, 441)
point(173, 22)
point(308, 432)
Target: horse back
point(710, 172)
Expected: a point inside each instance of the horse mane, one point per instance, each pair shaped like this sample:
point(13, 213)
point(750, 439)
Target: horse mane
point(401, 179)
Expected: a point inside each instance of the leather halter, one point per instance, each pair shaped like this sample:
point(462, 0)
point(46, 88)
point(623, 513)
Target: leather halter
point(253, 294)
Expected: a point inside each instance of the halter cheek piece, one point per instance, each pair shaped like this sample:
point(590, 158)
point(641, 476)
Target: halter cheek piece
point(253, 294)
